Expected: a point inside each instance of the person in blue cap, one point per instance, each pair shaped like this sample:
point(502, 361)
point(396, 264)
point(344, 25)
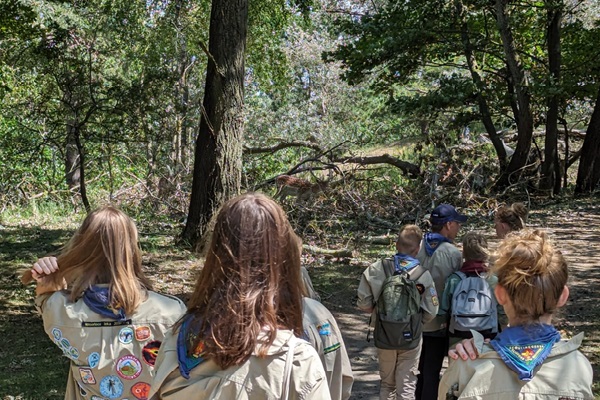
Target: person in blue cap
point(441, 258)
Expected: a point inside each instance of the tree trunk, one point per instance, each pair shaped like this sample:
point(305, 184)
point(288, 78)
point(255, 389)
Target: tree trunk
point(524, 117)
point(551, 166)
point(218, 154)
point(484, 110)
point(588, 175)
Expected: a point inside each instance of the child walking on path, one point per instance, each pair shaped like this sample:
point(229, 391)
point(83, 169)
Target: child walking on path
point(528, 359)
point(98, 308)
point(478, 309)
point(398, 368)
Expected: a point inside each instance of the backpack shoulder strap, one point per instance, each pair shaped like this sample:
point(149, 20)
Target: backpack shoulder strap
point(461, 275)
point(416, 272)
point(388, 267)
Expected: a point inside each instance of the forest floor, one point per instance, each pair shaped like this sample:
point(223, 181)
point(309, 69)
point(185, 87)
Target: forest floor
point(31, 367)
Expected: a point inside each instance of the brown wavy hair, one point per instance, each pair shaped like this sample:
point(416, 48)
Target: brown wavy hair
point(104, 250)
point(475, 247)
point(533, 273)
point(250, 283)
point(514, 216)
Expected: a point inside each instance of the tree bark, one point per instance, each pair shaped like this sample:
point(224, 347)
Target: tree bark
point(551, 167)
point(484, 110)
point(218, 153)
point(588, 175)
point(524, 116)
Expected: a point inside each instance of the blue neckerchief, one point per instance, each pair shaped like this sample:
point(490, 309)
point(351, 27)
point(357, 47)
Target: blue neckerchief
point(404, 262)
point(98, 299)
point(525, 347)
point(433, 240)
point(188, 332)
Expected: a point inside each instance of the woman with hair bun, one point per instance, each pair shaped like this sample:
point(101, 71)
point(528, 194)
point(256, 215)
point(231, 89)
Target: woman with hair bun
point(510, 219)
point(528, 359)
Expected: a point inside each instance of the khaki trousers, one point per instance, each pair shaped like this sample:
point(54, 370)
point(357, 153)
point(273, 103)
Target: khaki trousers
point(398, 370)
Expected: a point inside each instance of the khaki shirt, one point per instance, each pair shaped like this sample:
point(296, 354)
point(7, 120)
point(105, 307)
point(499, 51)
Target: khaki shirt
point(371, 282)
point(259, 378)
point(441, 264)
point(565, 374)
point(109, 359)
point(324, 335)
point(310, 290)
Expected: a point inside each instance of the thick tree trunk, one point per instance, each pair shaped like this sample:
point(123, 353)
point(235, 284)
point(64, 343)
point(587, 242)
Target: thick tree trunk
point(588, 175)
point(484, 110)
point(524, 117)
point(218, 155)
point(551, 166)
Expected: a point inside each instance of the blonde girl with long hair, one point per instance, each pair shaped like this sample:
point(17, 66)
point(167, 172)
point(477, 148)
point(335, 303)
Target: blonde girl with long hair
point(98, 307)
point(529, 359)
point(240, 336)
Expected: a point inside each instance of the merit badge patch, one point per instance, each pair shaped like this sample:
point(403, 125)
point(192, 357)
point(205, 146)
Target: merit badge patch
point(87, 376)
point(142, 333)
point(93, 360)
point(150, 351)
point(527, 354)
point(141, 390)
point(57, 334)
point(73, 353)
point(126, 335)
point(129, 367)
point(324, 329)
point(434, 298)
point(111, 387)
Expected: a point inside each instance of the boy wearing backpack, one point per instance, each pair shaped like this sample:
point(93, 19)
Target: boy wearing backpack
point(401, 296)
point(468, 301)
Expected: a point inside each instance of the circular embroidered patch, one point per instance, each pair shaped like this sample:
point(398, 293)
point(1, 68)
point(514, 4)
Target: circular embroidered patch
point(126, 335)
point(93, 360)
point(57, 334)
point(141, 390)
point(129, 367)
point(111, 387)
point(73, 353)
point(150, 351)
point(142, 333)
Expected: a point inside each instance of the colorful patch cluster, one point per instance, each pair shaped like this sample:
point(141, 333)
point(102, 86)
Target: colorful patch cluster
point(64, 344)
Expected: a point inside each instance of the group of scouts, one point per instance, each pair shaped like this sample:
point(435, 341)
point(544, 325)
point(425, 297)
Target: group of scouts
point(526, 357)
point(252, 328)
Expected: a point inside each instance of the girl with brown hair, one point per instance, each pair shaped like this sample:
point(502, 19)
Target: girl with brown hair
point(510, 219)
point(239, 337)
point(528, 359)
point(100, 310)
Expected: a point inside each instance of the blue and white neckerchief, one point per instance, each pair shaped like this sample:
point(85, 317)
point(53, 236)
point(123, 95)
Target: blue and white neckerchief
point(404, 262)
point(188, 332)
point(525, 347)
point(433, 240)
point(97, 298)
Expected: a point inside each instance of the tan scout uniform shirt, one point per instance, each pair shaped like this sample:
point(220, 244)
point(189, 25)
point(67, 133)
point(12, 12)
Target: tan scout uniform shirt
point(371, 282)
point(565, 374)
point(323, 333)
point(445, 260)
point(256, 379)
point(109, 359)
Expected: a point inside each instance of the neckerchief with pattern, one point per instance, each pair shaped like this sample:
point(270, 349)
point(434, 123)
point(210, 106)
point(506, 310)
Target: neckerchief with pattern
point(525, 347)
point(188, 332)
point(433, 240)
point(404, 262)
point(97, 298)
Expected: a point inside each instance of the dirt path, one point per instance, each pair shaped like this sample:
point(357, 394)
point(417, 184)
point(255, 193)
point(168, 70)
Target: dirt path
point(577, 234)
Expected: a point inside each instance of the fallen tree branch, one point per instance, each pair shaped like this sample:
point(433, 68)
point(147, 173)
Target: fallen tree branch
point(280, 146)
point(410, 169)
point(345, 252)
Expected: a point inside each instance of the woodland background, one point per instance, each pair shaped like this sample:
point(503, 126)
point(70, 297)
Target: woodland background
point(383, 108)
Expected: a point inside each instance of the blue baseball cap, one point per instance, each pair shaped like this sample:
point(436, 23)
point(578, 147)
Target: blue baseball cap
point(446, 213)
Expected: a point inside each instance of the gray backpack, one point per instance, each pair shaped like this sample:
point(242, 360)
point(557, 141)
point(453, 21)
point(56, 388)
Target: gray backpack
point(474, 307)
point(398, 323)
